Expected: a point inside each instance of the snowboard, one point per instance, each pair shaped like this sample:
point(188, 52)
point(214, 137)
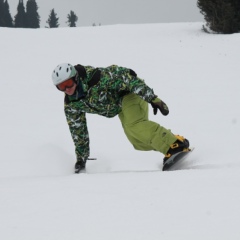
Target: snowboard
point(175, 161)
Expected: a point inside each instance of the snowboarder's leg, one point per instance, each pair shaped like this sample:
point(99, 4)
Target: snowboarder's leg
point(143, 134)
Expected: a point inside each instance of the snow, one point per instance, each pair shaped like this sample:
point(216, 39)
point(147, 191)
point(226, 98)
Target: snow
point(123, 195)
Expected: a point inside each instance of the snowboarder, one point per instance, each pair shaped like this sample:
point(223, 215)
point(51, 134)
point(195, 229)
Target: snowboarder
point(112, 91)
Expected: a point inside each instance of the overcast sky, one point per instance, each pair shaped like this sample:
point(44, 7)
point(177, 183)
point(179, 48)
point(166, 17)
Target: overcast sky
point(106, 12)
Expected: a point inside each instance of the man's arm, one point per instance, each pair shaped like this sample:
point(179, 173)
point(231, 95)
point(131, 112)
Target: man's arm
point(137, 85)
point(78, 127)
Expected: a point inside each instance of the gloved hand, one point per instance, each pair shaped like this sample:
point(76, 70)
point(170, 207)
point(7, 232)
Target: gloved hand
point(81, 162)
point(159, 104)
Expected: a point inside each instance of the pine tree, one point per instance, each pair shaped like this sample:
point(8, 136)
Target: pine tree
point(20, 18)
point(7, 16)
point(52, 19)
point(222, 16)
point(33, 18)
point(72, 19)
point(2, 22)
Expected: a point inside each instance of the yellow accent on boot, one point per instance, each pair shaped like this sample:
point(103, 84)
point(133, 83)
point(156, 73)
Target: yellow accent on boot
point(168, 155)
point(180, 138)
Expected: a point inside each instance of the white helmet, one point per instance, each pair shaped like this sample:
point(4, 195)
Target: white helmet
point(63, 72)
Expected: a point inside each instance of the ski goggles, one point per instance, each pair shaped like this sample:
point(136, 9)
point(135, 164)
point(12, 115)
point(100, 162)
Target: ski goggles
point(66, 84)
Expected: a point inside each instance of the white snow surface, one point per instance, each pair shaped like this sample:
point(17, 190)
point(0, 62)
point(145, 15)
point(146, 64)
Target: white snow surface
point(124, 195)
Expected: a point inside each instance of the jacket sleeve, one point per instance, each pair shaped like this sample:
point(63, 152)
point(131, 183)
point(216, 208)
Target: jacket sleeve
point(132, 83)
point(78, 127)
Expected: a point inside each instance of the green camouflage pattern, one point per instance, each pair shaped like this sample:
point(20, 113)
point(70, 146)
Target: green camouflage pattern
point(104, 98)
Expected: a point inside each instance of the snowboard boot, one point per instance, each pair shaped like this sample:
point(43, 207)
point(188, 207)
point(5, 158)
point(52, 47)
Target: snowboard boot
point(181, 145)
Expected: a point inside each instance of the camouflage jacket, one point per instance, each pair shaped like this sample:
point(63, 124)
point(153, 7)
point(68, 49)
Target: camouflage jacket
point(103, 96)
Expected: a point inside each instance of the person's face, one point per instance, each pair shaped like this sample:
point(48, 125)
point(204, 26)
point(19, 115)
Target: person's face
point(68, 86)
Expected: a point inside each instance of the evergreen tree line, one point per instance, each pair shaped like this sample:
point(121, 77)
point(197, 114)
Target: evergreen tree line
point(30, 18)
point(222, 16)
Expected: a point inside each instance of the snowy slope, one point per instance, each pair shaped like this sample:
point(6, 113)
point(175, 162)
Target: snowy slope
point(124, 195)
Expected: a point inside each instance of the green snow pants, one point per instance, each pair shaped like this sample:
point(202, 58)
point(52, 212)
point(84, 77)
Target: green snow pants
point(144, 135)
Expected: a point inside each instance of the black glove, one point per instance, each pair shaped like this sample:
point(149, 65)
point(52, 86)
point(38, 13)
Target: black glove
point(162, 106)
point(81, 163)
